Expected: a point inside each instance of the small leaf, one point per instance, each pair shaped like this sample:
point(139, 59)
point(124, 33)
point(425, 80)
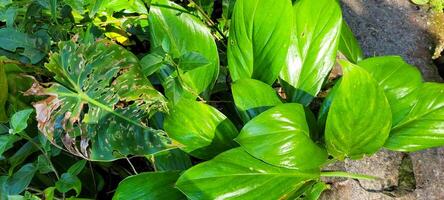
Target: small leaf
point(349, 45)
point(149, 186)
point(21, 179)
point(259, 38)
point(77, 167)
point(252, 97)
point(43, 165)
point(6, 142)
point(152, 62)
point(192, 60)
point(235, 174)
point(203, 130)
point(49, 193)
point(280, 136)
point(19, 121)
point(69, 182)
point(359, 118)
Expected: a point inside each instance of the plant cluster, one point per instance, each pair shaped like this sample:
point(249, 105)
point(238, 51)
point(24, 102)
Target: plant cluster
point(155, 99)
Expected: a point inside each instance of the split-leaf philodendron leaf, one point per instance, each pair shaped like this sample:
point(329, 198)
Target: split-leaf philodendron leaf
point(98, 106)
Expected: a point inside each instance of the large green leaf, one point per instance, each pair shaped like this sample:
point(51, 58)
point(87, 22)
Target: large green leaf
point(422, 126)
point(11, 40)
point(348, 44)
point(313, 48)
point(237, 175)
point(280, 136)
point(259, 38)
point(18, 182)
point(149, 186)
point(3, 93)
point(398, 79)
point(252, 97)
point(180, 33)
point(99, 104)
point(359, 118)
point(203, 130)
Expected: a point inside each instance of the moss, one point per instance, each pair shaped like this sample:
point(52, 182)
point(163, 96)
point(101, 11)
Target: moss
point(437, 29)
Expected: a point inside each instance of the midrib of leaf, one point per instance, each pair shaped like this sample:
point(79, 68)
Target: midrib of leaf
point(416, 118)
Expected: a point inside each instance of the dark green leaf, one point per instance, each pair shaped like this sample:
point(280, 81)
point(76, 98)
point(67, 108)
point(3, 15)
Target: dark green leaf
point(3, 93)
point(235, 174)
point(43, 165)
point(19, 121)
point(227, 8)
point(349, 46)
point(149, 186)
point(77, 167)
point(259, 39)
point(107, 79)
point(203, 130)
point(4, 187)
point(280, 136)
point(69, 182)
point(11, 39)
point(359, 118)
point(174, 159)
point(313, 48)
point(6, 142)
point(252, 97)
point(21, 179)
point(20, 155)
point(206, 5)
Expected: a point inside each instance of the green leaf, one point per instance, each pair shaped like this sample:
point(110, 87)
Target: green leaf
point(280, 136)
point(183, 33)
point(315, 191)
point(313, 48)
point(19, 121)
point(77, 167)
point(206, 5)
point(69, 182)
point(49, 193)
point(3, 93)
point(106, 79)
point(11, 39)
point(259, 38)
point(359, 118)
point(235, 174)
point(43, 165)
point(149, 186)
point(421, 127)
point(153, 61)
point(192, 60)
point(349, 45)
point(20, 155)
point(21, 179)
point(253, 97)
point(6, 142)
point(398, 79)
point(174, 159)
point(203, 130)
point(420, 2)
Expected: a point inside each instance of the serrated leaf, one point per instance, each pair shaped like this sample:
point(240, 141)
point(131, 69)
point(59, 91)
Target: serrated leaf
point(252, 97)
point(359, 118)
point(202, 129)
point(149, 186)
point(19, 121)
point(106, 79)
point(280, 136)
point(180, 33)
point(349, 45)
point(259, 38)
point(11, 39)
point(235, 174)
point(313, 48)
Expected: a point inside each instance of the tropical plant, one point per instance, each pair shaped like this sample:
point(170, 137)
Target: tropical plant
point(246, 102)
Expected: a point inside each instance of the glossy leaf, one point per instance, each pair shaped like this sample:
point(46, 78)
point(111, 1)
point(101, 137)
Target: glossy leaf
point(21, 179)
point(19, 121)
point(107, 79)
point(398, 79)
point(422, 126)
point(259, 38)
point(252, 97)
point(280, 136)
point(3, 93)
point(149, 186)
point(349, 45)
point(313, 48)
point(192, 60)
point(202, 129)
point(11, 40)
point(182, 33)
point(174, 159)
point(235, 174)
point(359, 118)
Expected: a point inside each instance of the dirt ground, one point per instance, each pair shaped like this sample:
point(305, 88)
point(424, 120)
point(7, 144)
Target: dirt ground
point(393, 27)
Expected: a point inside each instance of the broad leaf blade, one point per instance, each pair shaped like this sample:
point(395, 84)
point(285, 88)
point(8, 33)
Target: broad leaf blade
point(349, 45)
point(252, 97)
point(149, 186)
point(18, 182)
point(106, 79)
point(313, 48)
point(19, 121)
point(359, 118)
point(11, 40)
point(203, 130)
point(259, 38)
point(235, 174)
point(174, 159)
point(280, 136)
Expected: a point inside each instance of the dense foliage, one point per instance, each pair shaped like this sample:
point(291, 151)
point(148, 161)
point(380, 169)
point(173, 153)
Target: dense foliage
point(198, 99)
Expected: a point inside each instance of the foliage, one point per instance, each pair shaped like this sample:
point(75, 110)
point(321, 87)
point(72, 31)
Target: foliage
point(206, 99)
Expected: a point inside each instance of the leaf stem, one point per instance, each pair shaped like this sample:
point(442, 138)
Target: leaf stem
point(347, 175)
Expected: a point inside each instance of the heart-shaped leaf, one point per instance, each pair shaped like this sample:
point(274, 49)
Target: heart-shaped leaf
point(102, 99)
point(359, 118)
point(280, 136)
point(313, 48)
point(252, 97)
point(259, 38)
point(235, 174)
point(203, 130)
